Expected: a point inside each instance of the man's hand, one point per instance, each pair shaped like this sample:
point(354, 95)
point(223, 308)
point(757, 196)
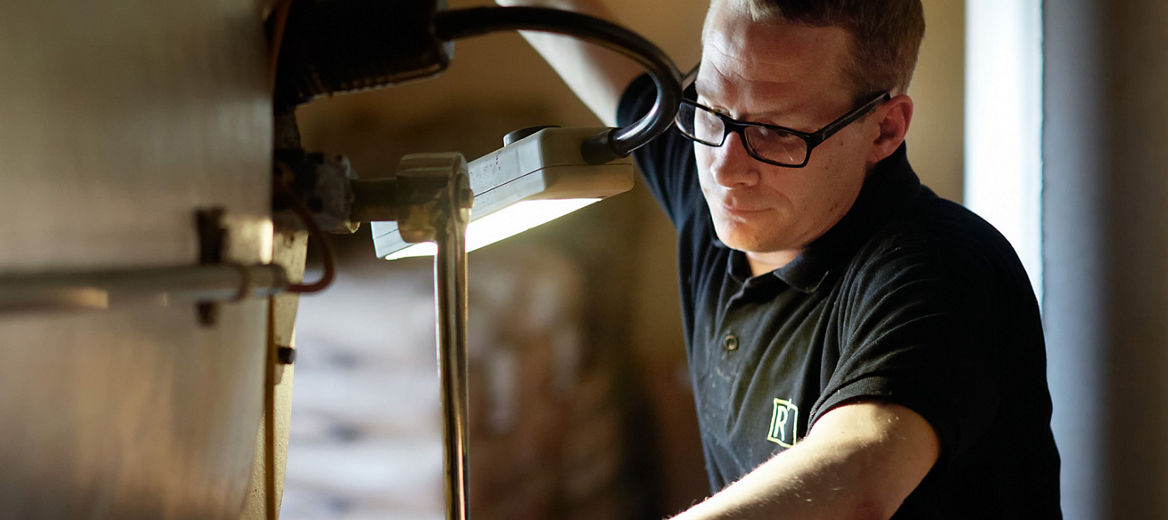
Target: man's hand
point(597, 76)
point(859, 461)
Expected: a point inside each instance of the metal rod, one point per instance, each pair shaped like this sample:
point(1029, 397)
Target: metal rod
point(101, 290)
point(450, 288)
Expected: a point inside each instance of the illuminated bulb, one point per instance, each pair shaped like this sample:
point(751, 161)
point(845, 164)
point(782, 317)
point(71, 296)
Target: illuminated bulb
point(504, 223)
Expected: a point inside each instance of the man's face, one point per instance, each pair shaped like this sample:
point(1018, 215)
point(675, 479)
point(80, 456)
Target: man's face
point(787, 75)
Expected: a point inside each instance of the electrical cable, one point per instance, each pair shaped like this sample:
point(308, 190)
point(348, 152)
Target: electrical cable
point(275, 24)
point(619, 142)
point(329, 270)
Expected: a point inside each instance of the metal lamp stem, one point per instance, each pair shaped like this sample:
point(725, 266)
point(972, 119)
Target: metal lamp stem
point(451, 296)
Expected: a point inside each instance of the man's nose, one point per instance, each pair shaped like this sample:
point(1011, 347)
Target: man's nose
point(733, 166)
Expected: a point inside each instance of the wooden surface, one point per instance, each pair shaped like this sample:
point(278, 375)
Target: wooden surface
point(118, 120)
point(289, 249)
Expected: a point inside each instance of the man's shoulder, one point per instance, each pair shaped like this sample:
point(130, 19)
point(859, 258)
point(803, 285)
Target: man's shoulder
point(939, 239)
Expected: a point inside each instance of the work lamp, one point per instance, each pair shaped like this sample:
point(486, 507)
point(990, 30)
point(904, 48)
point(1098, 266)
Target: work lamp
point(526, 183)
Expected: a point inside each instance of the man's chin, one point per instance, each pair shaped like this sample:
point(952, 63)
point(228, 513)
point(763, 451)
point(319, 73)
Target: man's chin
point(746, 244)
point(758, 237)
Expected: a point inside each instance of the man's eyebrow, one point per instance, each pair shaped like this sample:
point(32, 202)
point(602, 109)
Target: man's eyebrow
point(771, 118)
point(778, 117)
point(708, 90)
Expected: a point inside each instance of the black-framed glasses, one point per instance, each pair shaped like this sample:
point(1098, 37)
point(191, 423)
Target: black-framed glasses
point(770, 144)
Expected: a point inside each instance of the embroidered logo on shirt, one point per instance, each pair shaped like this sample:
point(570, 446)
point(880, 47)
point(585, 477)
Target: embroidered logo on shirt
point(784, 423)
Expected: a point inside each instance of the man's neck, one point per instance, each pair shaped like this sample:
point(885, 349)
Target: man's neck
point(762, 263)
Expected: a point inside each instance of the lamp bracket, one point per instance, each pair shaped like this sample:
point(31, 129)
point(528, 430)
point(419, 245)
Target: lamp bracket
point(432, 191)
point(324, 184)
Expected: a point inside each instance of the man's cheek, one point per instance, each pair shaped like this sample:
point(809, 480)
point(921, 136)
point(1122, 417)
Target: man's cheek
point(704, 156)
point(706, 175)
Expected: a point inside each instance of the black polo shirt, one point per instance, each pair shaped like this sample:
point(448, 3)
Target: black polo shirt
point(909, 299)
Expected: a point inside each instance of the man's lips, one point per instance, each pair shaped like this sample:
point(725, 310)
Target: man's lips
point(741, 209)
point(737, 203)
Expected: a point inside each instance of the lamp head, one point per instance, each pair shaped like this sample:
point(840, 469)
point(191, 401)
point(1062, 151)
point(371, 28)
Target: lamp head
point(520, 186)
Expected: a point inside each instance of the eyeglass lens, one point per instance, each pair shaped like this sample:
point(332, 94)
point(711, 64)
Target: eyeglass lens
point(764, 143)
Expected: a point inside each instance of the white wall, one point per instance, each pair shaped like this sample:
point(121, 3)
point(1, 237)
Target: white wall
point(1106, 237)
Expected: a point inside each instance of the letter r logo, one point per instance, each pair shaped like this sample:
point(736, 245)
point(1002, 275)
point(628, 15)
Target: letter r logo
point(784, 423)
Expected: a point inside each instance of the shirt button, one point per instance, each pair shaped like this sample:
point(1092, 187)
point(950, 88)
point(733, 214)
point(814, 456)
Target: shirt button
point(730, 342)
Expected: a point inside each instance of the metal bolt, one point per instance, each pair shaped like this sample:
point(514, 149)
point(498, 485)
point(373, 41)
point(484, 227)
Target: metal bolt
point(465, 198)
point(208, 313)
point(286, 355)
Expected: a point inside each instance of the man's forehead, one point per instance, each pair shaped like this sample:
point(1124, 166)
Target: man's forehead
point(758, 98)
point(773, 71)
point(734, 31)
point(723, 72)
point(770, 53)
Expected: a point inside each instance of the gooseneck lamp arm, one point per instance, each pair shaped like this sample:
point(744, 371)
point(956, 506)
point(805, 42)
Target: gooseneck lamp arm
point(613, 143)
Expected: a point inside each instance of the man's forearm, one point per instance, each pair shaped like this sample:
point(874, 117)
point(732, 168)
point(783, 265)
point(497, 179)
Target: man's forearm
point(597, 75)
point(802, 483)
point(859, 464)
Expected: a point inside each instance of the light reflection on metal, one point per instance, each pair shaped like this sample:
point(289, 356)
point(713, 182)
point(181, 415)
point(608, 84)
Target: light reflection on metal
point(103, 290)
point(439, 190)
point(450, 293)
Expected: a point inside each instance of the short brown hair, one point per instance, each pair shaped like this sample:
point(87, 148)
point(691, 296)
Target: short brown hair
point(886, 35)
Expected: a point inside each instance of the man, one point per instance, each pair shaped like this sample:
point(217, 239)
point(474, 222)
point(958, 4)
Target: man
point(859, 347)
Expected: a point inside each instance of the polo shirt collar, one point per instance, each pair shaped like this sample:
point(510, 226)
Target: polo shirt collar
point(887, 191)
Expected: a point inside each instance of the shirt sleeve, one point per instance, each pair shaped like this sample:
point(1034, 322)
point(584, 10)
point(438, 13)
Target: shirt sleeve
point(919, 324)
point(667, 162)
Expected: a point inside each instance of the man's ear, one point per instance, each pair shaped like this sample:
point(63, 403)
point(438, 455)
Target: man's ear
point(894, 118)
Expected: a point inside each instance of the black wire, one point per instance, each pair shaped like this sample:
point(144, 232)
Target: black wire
point(461, 23)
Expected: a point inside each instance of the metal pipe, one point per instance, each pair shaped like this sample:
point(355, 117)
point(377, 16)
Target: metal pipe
point(451, 297)
point(374, 200)
point(101, 290)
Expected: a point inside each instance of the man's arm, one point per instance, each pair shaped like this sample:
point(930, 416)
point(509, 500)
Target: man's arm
point(597, 75)
point(859, 461)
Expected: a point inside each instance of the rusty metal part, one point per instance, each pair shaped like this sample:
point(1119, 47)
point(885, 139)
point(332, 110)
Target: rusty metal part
point(323, 184)
point(422, 181)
